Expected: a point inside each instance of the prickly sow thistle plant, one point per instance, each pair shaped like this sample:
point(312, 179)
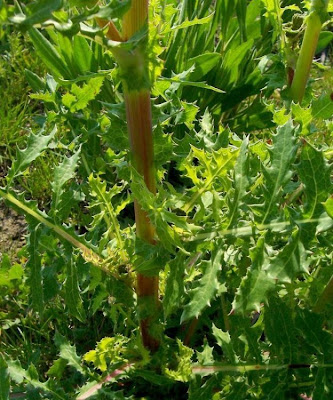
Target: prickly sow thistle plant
point(222, 287)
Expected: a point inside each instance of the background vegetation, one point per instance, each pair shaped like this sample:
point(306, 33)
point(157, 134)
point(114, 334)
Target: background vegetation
point(243, 213)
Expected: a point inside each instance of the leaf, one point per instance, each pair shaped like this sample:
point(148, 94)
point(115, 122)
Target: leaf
point(241, 181)
point(324, 40)
point(34, 266)
point(49, 55)
point(280, 330)
point(4, 380)
point(36, 144)
point(329, 206)
point(323, 106)
point(110, 350)
point(36, 83)
point(223, 339)
point(288, 263)
point(254, 285)
point(174, 290)
point(63, 173)
point(187, 24)
point(72, 291)
point(208, 286)
point(30, 209)
point(315, 175)
point(202, 65)
point(37, 12)
point(79, 97)
point(282, 154)
point(68, 352)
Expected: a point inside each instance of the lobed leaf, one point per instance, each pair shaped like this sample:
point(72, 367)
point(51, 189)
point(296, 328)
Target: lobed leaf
point(208, 286)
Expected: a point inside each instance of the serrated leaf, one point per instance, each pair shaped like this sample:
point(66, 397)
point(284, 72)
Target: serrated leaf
point(282, 154)
point(72, 291)
point(4, 380)
point(288, 263)
point(79, 97)
point(68, 352)
point(223, 339)
point(174, 290)
point(280, 329)
point(208, 286)
point(62, 174)
point(254, 285)
point(36, 144)
point(315, 175)
point(34, 266)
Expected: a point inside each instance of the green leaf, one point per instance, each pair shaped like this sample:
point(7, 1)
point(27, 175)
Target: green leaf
point(72, 291)
point(79, 97)
point(315, 175)
point(36, 83)
point(68, 352)
point(110, 350)
point(323, 106)
point(223, 339)
point(329, 206)
point(174, 290)
point(280, 330)
point(63, 173)
point(34, 266)
point(208, 286)
point(36, 144)
point(202, 65)
point(279, 172)
point(324, 40)
point(287, 264)
point(49, 55)
point(4, 380)
point(241, 181)
point(254, 285)
point(187, 24)
point(37, 12)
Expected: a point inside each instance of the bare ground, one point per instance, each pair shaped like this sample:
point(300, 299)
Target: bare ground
point(12, 231)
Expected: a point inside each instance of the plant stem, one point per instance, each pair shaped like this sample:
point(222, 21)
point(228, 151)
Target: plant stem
point(309, 45)
point(135, 75)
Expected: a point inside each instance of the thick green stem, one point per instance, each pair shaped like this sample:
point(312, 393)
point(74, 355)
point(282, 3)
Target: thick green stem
point(135, 74)
point(309, 45)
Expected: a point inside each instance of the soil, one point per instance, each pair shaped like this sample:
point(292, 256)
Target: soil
point(12, 231)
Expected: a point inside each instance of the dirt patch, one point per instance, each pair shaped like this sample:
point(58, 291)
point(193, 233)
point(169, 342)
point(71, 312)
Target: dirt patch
point(12, 231)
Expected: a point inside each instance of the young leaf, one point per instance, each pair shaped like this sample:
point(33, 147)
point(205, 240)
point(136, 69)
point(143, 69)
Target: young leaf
point(208, 286)
point(79, 97)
